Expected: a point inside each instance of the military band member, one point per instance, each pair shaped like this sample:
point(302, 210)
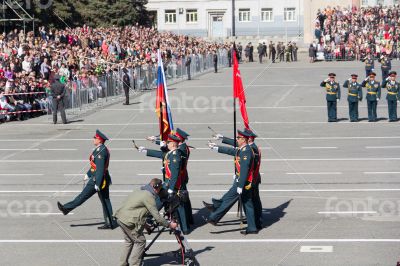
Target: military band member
point(354, 94)
point(244, 164)
point(173, 173)
point(373, 94)
point(369, 64)
point(332, 96)
point(99, 180)
point(393, 95)
point(386, 65)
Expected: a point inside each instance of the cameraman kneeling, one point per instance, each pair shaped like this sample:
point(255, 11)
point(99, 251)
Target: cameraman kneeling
point(132, 218)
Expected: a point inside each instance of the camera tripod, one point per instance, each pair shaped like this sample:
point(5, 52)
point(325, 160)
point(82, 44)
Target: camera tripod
point(184, 252)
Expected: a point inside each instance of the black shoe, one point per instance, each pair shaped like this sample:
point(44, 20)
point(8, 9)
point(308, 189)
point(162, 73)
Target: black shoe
point(245, 232)
point(186, 232)
point(125, 104)
point(62, 209)
point(209, 206)
point(209, 221)
point(105, 226)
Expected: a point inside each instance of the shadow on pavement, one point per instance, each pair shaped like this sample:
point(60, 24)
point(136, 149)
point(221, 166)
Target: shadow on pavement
point(171, 260)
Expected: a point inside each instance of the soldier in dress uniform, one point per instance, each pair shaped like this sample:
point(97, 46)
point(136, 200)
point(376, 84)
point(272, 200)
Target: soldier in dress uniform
point(369, 64)
point(393, 95)
point(354, 94)
point(256, 177)
point(173, 173)
point(332, 96)
point(99, 180)
point(242, 183)
point(373, 94)
point(386, 65)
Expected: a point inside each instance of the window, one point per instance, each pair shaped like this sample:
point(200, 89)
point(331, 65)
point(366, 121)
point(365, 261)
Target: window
point(170, 16)
point(364, 2)
point(289, 14)
point(191, 15)
point(244, 14)
point(266, 14)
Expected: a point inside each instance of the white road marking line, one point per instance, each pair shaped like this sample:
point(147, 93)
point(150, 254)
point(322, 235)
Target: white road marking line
point(218, 190)
point(21, 174)
point(316, 173)
point(74, 174)
point(316, 249)
point(382, 147)
point(380, 173)
point(19, 149)
point(285, 95)
point(149, 174)
point(259, 138)
point(224, 174)
point(349, 212)
point(317, 148)
point(210, 160)
point(43, 213)
point(59, 149)
point(106, 241)
point(121, 149)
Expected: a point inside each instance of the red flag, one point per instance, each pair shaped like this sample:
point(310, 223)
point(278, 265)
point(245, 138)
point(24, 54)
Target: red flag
point(238, 90)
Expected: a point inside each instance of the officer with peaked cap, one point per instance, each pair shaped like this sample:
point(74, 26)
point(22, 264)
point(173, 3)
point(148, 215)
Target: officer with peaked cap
point(354, 95)
point(242, 184)
point(393, 95)
point(373, 94)
point(332, 96)
point(256, 177)
point(386, 65)
point(99, 180)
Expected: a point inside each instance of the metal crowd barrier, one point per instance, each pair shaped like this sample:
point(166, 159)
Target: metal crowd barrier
point(95, 91)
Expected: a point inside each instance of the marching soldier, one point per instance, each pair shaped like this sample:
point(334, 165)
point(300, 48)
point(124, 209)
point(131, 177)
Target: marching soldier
point(244, 164)
point(393, 95)
point(386, 65)
point(173, 173)
point(332, 96)
point(99, 181)
point(256, 177)
point(354, 95)
point(369, 64)
point(373, 95)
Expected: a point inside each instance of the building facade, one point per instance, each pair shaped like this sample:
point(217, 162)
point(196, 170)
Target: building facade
point(213, 18)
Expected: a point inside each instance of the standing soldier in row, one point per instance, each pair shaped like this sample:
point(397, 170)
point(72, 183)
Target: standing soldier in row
point(288, 52)
point(126, 85)
point(386, 65)
point(369, 64)
point(373, 95)
point(99, 181)
point(260, 52)
point(332, 96)
point(393, 95)
point(272, 51)
point(294, 51)
point(354, 94)
point(215, 61)
point(58, 92)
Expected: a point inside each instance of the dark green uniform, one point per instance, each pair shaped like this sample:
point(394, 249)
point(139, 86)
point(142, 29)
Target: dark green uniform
point(386, 66)
point(393, 94)
point(354, 94)
point(98, 175)
point(369, 66)
point(332, 95)
point(184, 148)
point(373, 94)
point(244, 160)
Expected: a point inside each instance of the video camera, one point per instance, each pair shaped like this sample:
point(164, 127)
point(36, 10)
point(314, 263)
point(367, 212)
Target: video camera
point(171, 201)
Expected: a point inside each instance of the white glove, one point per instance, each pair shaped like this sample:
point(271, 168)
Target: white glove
point(218, 136)
point(239, 190)
point(86, 178)
point(142, 149)
point(377, 99)
point(170, 191)
point(234, 177)
point(96, 188)
point(337, 100)
point(213, 146)
point(162, 143)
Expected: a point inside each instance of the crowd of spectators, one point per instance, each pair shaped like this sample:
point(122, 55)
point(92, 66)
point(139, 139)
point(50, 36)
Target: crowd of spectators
point(349, 34)
point(28, 63)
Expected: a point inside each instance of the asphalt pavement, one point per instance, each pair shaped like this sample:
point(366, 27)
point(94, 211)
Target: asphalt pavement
point(330, 191)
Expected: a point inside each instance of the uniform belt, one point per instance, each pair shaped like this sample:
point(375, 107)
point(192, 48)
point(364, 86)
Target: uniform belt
point(392, 93)
point(372, 92)
point(331, 93)
point(352, 94)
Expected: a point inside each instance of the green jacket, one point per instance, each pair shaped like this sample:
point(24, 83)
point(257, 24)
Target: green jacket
point(137, 207)
point(101, 158)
